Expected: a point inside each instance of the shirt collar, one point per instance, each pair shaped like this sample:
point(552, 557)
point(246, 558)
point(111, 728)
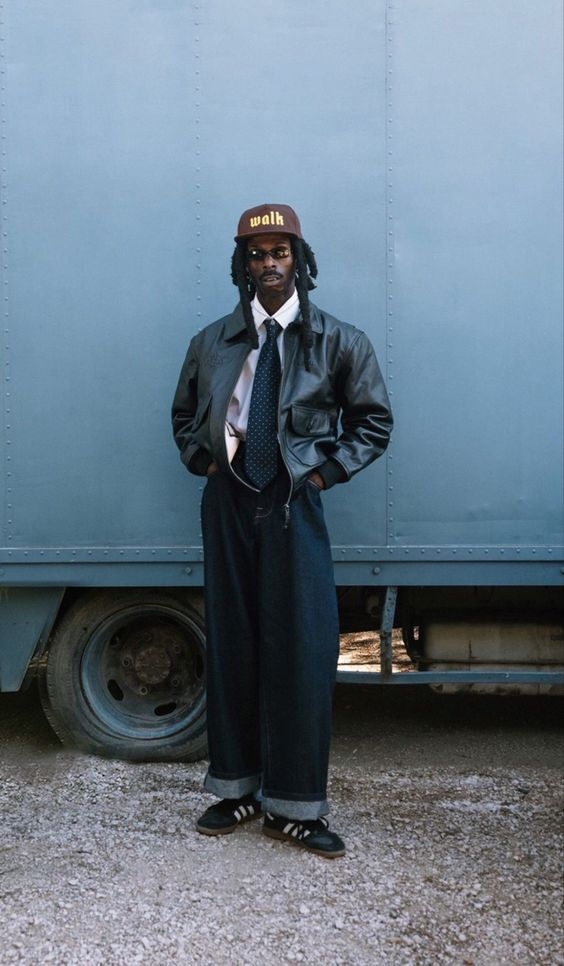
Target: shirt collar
point(285, 314)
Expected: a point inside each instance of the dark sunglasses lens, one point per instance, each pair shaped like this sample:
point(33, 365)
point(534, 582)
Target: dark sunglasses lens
point(258, 255)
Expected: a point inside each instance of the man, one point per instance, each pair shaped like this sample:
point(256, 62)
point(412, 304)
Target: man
point(257, 410)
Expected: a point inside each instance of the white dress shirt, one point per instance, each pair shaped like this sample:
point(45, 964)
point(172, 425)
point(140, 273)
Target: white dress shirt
point(238, 409)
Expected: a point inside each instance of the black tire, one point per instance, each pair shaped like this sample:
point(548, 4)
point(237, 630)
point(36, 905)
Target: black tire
point(125, 677)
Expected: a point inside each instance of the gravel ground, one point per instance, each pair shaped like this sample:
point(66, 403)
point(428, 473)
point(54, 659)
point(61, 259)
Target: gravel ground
point(450, 808)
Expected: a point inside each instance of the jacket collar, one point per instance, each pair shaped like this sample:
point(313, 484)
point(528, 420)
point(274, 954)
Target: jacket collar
point(235, 323)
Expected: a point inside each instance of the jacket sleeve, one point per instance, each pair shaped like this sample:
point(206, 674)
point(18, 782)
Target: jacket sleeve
point(366, 416)
point(184, 411)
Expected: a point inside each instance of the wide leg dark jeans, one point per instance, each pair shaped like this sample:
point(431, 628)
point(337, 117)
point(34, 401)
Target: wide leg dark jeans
point(272, 644)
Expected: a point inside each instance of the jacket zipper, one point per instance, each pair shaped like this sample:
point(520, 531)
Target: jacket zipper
point(287, 504)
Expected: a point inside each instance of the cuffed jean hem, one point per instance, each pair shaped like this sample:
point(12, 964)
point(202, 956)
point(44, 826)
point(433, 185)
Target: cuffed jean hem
point(232, 788)
point(306, 811)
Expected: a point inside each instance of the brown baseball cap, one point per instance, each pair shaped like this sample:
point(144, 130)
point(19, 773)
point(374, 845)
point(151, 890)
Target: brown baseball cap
point(268, 220)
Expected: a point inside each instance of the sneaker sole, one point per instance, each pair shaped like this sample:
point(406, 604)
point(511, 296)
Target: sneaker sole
point(229, 829)
point(282, 837)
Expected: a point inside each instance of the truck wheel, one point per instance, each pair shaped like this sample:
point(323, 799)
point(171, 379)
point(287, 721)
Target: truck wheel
point(125, 677)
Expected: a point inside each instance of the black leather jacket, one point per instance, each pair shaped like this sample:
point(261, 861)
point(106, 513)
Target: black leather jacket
point(344, 381)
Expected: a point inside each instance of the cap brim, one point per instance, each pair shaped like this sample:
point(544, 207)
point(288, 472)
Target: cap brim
point(270, 231)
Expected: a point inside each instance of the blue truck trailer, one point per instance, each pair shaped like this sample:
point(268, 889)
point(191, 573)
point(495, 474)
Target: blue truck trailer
point(421, 144)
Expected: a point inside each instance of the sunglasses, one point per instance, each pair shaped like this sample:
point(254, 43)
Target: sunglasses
point(259, 254)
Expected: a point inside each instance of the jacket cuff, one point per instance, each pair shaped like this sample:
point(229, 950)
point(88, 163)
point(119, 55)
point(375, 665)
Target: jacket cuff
point(199, 462)
point(331, 472)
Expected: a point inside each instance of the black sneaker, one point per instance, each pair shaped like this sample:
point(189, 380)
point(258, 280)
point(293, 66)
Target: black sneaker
point(311, 835)
point(224, 817)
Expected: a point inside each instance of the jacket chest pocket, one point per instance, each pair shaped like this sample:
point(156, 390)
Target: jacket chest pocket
point(312, 422)
point(311, 434)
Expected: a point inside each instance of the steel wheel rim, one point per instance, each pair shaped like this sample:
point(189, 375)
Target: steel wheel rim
point(145, 687)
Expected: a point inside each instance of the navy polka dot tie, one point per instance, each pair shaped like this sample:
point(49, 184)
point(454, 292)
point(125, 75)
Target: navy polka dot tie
point(261, 451)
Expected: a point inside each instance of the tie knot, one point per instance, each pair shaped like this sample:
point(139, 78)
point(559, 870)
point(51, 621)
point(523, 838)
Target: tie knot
point(273, 328)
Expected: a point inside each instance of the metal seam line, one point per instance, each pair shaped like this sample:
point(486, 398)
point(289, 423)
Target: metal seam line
point(197, 153)
point(197, 24)
point(389, 254)
point(361, 555)
point(7, 400)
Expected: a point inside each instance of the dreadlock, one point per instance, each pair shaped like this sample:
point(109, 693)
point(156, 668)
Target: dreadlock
point(306, 271)
point(246, 286)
